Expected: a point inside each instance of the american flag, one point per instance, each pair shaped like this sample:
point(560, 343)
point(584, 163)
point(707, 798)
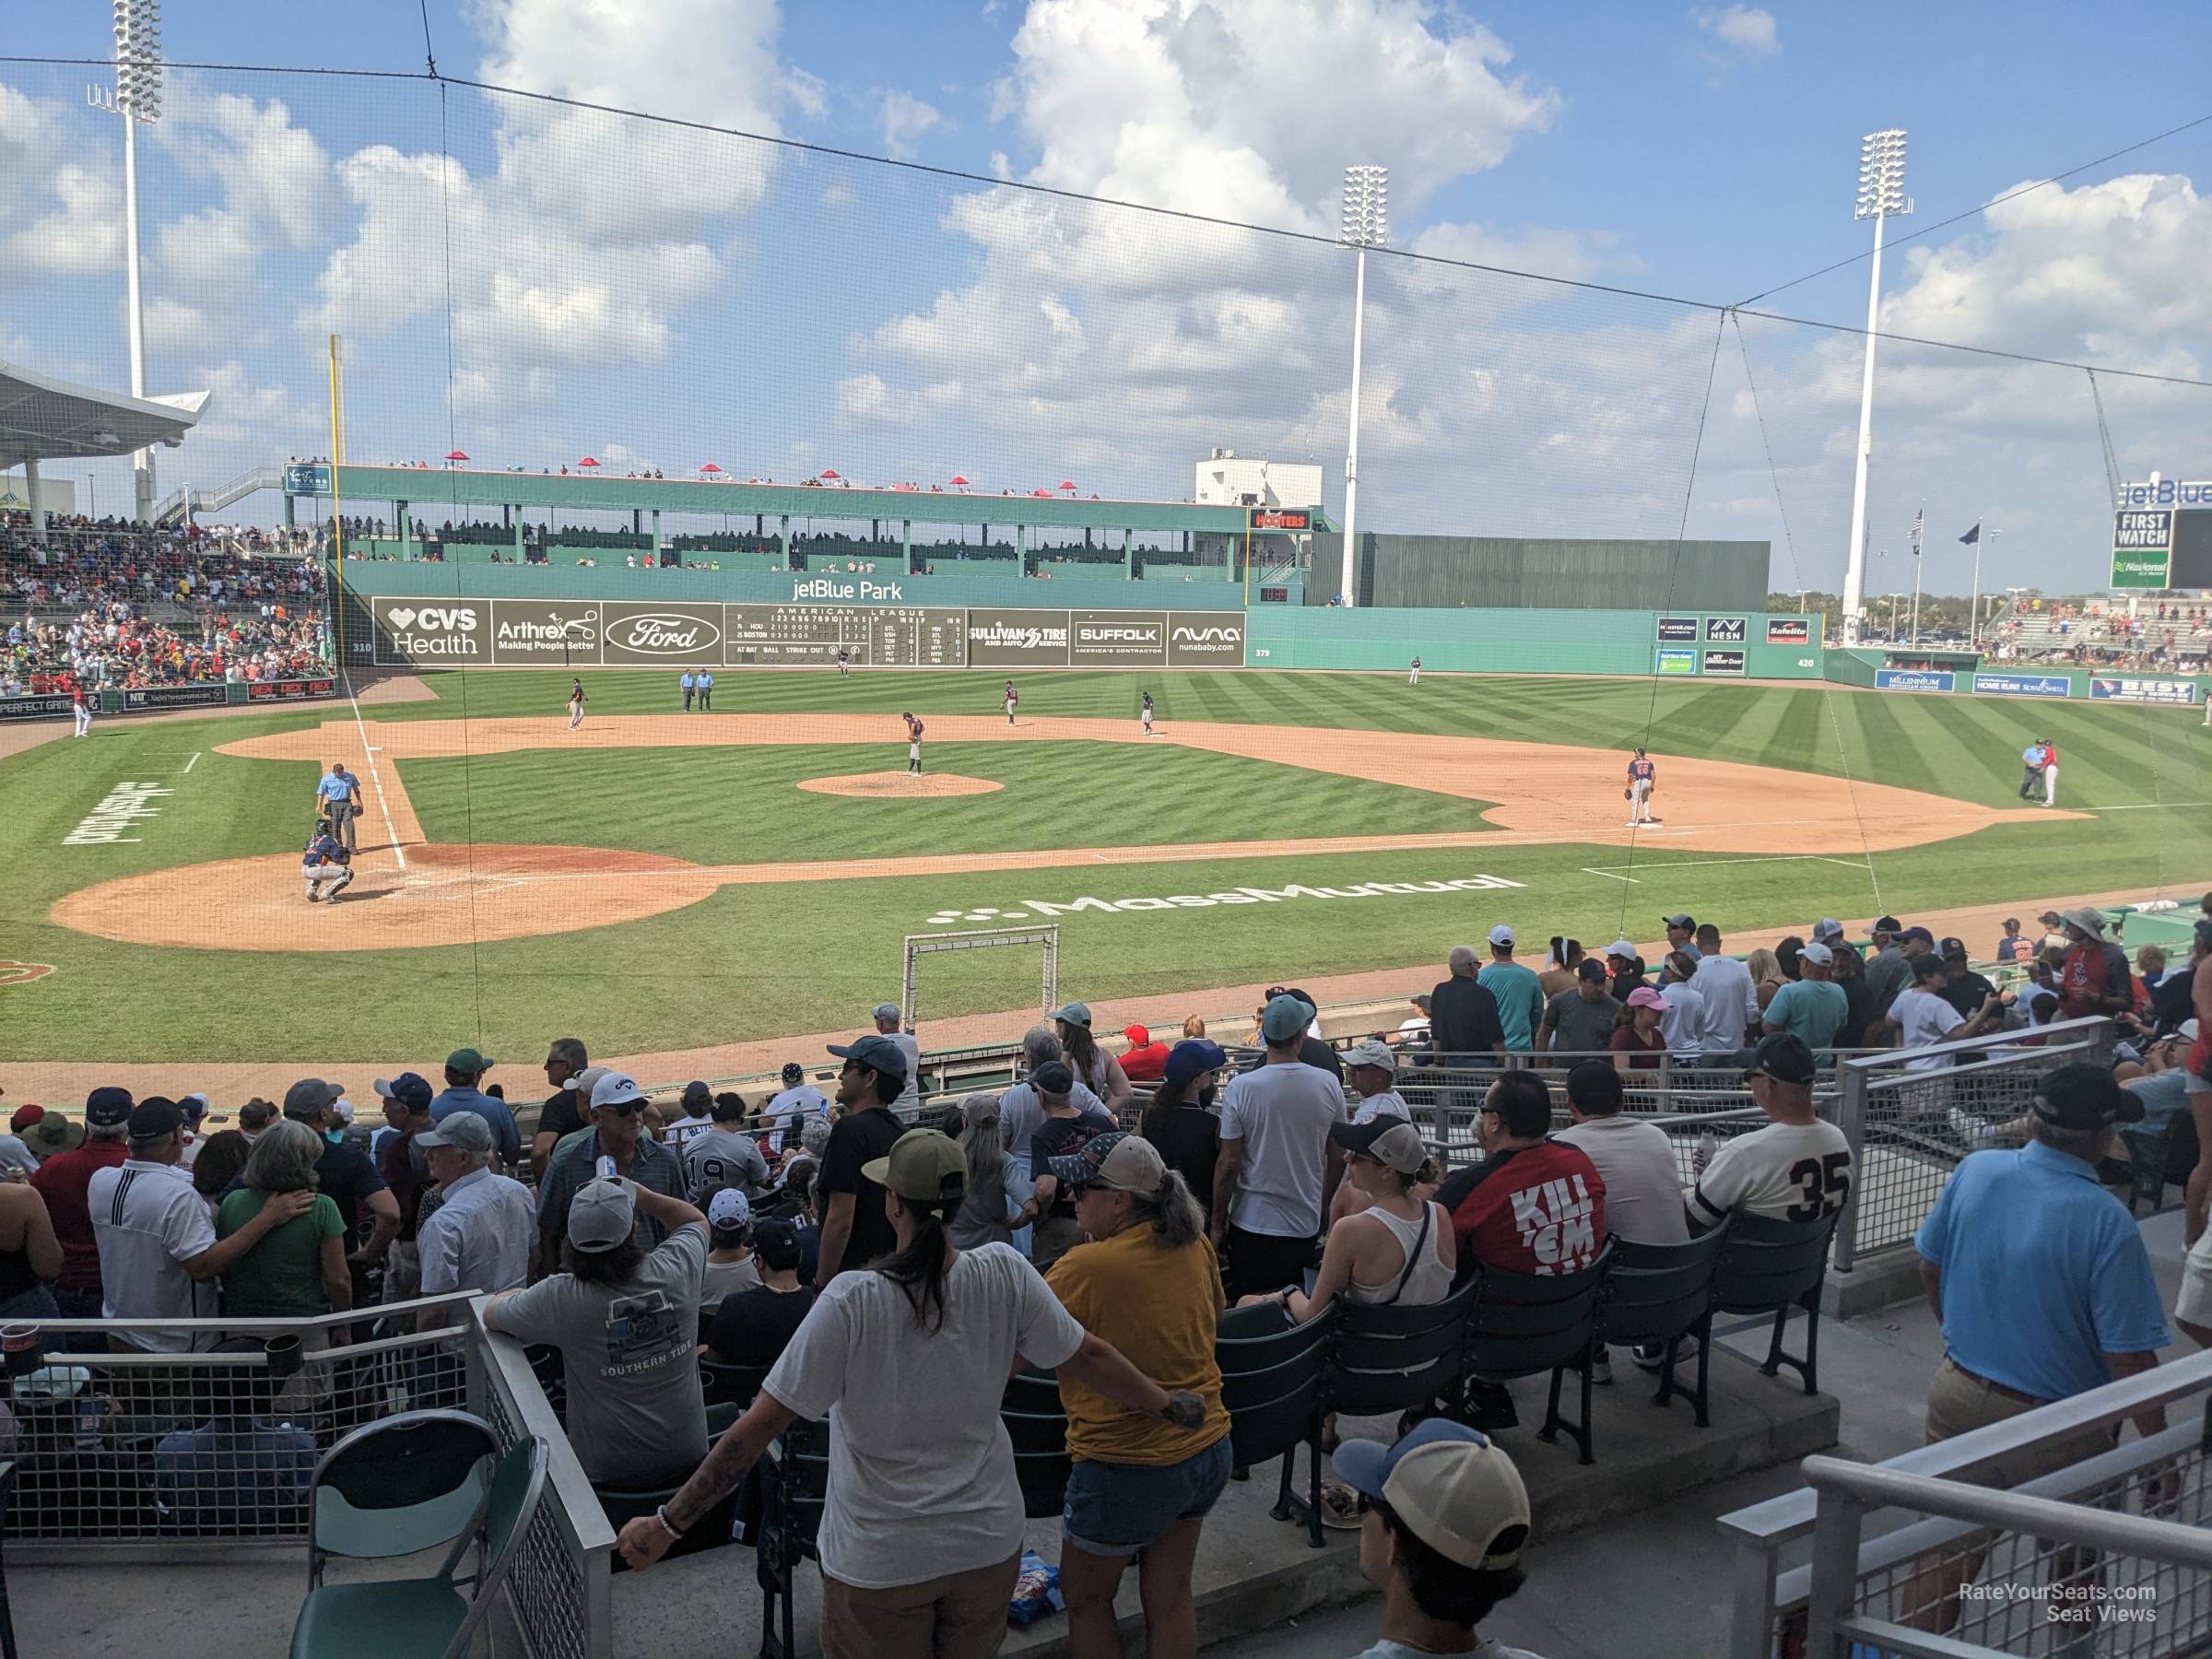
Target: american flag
point(1919, 516)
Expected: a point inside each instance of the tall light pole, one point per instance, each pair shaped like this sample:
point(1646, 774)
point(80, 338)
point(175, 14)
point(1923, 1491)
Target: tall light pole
point(1881, 194)
point(136, 97)
point(1366, 225)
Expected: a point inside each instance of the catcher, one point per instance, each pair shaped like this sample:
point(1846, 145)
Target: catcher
point(325, 864)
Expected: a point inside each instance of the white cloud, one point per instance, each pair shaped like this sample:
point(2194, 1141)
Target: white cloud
point(60, 209)
point(905, 119)
point(1747, 30)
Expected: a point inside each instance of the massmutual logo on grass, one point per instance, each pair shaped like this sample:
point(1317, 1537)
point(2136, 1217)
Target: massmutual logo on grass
point(1034, 908)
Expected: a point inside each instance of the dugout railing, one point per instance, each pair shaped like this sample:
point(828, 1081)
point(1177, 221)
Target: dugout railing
point(2093, 1558)
point(139, 1458)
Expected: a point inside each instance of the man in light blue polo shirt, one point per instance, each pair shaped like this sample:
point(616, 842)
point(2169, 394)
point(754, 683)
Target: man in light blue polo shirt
point(464, 1069)
point(2044, 1291)
point(337, 798)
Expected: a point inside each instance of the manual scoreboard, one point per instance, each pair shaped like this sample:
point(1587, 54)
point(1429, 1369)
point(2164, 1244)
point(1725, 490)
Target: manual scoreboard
point(876, 636)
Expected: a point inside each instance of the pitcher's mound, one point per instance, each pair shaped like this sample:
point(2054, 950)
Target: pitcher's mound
point(901, 784)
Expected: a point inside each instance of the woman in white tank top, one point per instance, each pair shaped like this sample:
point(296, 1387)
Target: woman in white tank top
point(1398, 1252)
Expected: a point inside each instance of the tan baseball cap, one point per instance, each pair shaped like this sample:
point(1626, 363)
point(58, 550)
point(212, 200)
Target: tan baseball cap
point(1455, 1491)
point(924, 1166)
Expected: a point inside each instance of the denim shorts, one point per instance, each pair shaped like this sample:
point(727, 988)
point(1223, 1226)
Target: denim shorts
point(1117, 1509)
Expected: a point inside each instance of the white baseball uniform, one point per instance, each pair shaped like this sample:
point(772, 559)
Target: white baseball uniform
point(1786, 1171)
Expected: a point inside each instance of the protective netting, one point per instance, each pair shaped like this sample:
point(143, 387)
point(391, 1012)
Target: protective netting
point(540, 290)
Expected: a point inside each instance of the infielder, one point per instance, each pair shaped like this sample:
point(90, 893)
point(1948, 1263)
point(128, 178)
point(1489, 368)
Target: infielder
point(323, 866)
point(2050, 771)
point(706, 692)
point(2031, 766)
point(1414, 678)
point(81, 707)
point(337, 801)
point(914, 743)
point(1642, 779)
point(575, 703)
point(1144, 714)
point(1011, 701)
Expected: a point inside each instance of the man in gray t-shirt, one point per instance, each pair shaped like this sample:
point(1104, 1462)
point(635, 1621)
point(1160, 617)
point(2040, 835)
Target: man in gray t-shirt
point(1579, 1019)
point(627, 1324)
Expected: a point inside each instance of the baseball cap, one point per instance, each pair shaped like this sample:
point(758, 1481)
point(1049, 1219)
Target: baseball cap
point(1622, 949)
point(877, 1051)
point(469, 1060)
point(1387, 1140)
point(2085, 1096)
point(776, 1241)
point(698, 1092)
point(25, 1116)
point(883, 1011)
point(154, 1117)
point(1590, 968)
point(602, 1215)
point(105, 1107)
point(411, 1090)
point(1136, 1036)
point(1193, 1057)
point(1922, 934)
point(465, 1131)
point(53, 1133)
point(1888, 924)
point(194, 1106)
point(1501, 934)
point(310, 1097)
point(1115, 1162)
point(1053, 1077)
point(1681, 920)
point(1827, 928)
point(1373, 1052)
point(1453, 1488)
point(1816, 952)
point(925, 1165)
point(1075, 1013)
point(2090, 921)
point(341, 1108)
point(1784, 1057)
point(1643, 996)
point(582, 1083)
point(1285, 1017)
point(613, 1088)
point(793, 1073)
point(1951, 947)
point(730, 1209)
point(2186, 1030)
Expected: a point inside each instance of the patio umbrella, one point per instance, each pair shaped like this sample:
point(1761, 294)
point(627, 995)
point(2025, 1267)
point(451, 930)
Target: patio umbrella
point(1067, 484)
point(829, 472)
point(959, 481)
point(587, 461)
point(456, 454)
point(710, 468)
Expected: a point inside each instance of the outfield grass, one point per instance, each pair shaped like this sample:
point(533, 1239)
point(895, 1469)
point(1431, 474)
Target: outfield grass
point(757, 960)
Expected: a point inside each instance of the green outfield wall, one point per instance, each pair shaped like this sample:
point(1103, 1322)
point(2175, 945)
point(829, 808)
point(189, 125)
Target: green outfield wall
point(1687, 643)
point(1483, 573)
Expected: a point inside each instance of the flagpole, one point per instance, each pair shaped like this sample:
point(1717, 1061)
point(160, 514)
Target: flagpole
point(1919, 522)
point(1973, 637)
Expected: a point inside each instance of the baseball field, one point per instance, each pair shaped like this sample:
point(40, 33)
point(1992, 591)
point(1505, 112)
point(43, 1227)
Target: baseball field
point(662, 881)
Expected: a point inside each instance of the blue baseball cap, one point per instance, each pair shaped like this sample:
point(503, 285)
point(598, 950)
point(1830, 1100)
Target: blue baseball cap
point(1193, 1057)
point(1454, 1490)
point(411, 1090)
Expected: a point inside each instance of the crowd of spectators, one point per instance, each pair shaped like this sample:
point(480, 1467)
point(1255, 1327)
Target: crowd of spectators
point(888, 1276)
point(102, 603)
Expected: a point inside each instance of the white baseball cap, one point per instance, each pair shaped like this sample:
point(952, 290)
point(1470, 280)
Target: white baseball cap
point(613, 1088)
point(1501, 934)
point(1373, 1052)
point(729, 1207)
point(1455, 1491)
point(1827, 928)
point(1621, 947)
point(1816, 952)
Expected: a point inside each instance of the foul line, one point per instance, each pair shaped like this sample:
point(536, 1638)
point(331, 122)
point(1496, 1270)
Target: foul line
point(369, 754)
point(1608, 870)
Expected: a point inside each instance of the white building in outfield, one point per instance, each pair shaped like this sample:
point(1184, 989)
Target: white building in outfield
point(1229, 480)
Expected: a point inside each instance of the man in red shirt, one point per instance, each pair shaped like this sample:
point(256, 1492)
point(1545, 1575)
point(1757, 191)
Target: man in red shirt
point(1534, 1205)
point(1147, 1061)
point(63, 1181)
point(2094, 978)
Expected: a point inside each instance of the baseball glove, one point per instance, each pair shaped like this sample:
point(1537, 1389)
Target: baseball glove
point(1626, 794)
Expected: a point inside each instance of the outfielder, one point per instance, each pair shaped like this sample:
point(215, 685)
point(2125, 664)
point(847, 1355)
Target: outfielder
point(1414, 678)
point(575, 703)
point(1011, 701)
point(914, 743)
point(844, 662)
point(81, 707)
point(1146, 714)
point(323, 866)
point(1642, 779)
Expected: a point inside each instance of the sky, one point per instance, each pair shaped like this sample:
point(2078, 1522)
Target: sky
point(530, 281)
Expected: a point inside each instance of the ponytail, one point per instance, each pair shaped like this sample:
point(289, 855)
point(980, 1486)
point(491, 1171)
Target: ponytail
point(919, 1269)
point(1172, 1212)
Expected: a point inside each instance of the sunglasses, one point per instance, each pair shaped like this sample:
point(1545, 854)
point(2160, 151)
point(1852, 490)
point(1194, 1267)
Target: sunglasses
point(624, 1108)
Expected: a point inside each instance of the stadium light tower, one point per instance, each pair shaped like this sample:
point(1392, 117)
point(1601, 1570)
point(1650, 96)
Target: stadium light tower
point(136, 97)
point(1881, 194)
point(1366, 225)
